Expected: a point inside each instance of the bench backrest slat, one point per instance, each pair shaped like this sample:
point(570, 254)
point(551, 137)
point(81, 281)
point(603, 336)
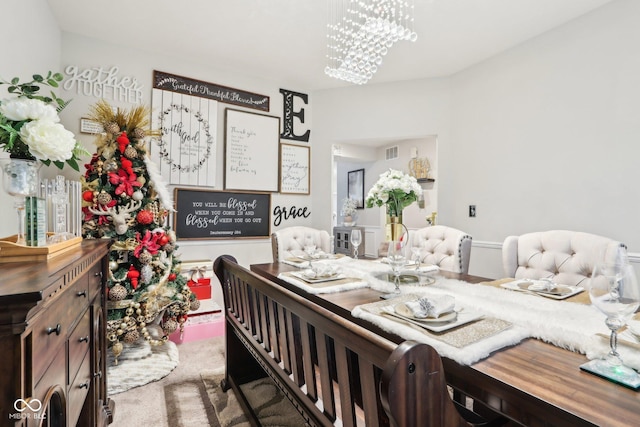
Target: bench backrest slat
point(328, 366)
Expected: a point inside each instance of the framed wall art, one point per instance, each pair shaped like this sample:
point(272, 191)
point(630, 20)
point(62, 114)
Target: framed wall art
point(294, 169)
point(355, 187)
point(251, 151)
point(185, 150)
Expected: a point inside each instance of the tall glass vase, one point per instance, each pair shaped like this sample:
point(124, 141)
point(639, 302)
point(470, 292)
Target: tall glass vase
point(395, 229)
point(20, 179)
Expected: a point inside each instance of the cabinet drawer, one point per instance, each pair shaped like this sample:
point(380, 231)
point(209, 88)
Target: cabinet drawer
point(78, 390)
point(52, 327)
point(79, 344)
point(94, 278)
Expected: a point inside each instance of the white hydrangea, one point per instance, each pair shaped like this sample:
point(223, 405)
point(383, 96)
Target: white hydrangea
point(48, 140)
point(395, 189)
point(21, 108)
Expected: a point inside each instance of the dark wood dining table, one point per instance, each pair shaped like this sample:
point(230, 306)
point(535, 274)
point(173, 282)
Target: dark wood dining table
point(532, 383)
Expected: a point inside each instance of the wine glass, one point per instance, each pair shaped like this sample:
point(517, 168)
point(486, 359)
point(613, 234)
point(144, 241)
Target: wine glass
point(356, 240)
point(397, 260)
point(310, 250)
point(416, 253)
point(613, 289)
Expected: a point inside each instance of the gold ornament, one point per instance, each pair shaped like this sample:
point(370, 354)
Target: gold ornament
point(117, 293)
point(110, 165)
point(103, 198)
point(145, 257)
point(138, 133)
point(130, 152)
point(112, 128)
point(131, 336)
point(195, 304)
point(169, 326)
point(116, 349)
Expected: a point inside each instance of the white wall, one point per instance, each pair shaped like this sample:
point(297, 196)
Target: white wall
point(543, 136)
point(547, 133)
point(32, 46)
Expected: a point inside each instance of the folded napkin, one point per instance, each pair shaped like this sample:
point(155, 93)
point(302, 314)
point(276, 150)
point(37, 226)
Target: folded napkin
point(428, 268)
point(433, 306)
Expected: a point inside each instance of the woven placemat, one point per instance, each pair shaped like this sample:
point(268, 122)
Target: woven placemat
point(458, 337)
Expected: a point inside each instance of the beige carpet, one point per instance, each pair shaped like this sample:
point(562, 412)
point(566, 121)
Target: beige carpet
point(180, 398)
point(273, 409)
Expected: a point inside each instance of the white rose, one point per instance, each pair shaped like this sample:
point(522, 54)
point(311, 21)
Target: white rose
point(19, 109)
point(48, 140)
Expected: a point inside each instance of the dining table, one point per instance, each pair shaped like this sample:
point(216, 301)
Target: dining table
point(531, 382)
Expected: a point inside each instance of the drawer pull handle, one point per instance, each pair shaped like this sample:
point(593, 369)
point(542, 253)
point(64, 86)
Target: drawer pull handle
point(82, 294)
point(84, 385)
point(57, 330)
point(98, 274)
point(98, 374)
point(84, 339)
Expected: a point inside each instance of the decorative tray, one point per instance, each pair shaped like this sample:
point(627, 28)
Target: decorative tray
point(12, 252)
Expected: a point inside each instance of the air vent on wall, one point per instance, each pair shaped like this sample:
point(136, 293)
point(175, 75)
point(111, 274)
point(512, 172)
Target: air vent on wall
point(391, 153)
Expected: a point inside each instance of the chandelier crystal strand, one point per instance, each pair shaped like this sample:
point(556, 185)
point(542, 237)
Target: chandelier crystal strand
point(360, 33)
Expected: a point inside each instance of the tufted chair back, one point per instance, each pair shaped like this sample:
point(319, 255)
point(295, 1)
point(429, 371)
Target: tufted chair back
point(293, 239)
point(567, 257)
point(446, 247)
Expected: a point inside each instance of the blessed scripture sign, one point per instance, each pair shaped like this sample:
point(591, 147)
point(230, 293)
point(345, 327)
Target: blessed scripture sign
point(209, 214)
point(188, 86)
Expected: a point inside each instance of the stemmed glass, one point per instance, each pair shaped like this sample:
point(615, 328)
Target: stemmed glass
point(416, 253)
point(397, 260)
point(613, 289)
point(309, 249)
point(356, 240)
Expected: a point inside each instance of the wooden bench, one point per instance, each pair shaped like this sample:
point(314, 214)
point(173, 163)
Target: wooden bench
point(329, 368)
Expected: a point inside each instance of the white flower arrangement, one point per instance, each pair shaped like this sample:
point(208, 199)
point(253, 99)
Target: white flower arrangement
point(349, 207)
point(395, 190)
point(29, 124)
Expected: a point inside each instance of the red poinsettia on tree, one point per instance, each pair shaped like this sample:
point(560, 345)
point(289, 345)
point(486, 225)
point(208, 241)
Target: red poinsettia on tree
point(125, 199)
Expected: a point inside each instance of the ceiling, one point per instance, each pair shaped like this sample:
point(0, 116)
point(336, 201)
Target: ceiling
point(285, 40)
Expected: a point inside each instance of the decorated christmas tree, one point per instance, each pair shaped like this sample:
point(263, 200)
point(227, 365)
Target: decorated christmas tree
point(125, 199)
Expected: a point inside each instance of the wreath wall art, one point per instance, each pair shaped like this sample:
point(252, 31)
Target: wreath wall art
point(185, 151)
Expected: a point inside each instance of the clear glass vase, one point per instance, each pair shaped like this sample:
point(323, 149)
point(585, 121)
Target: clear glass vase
point(20, 179)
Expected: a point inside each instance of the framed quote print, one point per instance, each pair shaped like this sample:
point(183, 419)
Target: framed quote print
point(294, 169)
point(251, 151)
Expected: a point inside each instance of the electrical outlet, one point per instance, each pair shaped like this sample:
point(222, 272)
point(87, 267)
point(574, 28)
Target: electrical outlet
point(472, 211)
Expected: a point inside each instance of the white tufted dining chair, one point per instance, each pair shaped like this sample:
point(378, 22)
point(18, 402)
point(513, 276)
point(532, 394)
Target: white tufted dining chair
point(566, 257)
point(294, 239)
point(446, 247)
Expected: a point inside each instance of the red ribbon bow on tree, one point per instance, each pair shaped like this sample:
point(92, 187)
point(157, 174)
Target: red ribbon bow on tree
point(124, 182)
point(149, 241)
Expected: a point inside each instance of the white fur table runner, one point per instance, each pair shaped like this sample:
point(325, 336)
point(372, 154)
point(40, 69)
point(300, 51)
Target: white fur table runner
point(573, 326)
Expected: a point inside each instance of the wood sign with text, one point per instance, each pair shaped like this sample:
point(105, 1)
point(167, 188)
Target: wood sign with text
point(209, 214)
point(228, 95)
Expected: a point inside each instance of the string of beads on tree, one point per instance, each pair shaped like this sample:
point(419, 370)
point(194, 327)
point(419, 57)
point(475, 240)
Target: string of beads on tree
point(125, 199)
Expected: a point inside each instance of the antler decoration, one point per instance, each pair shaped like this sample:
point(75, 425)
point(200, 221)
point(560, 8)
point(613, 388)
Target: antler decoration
point(119, 214)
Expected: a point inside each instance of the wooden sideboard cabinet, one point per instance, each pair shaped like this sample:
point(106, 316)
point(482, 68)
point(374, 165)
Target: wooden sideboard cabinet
point(53, 340)
point(341, 243)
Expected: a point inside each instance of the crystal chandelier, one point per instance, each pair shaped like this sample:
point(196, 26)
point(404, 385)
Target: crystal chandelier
point(360, 33)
